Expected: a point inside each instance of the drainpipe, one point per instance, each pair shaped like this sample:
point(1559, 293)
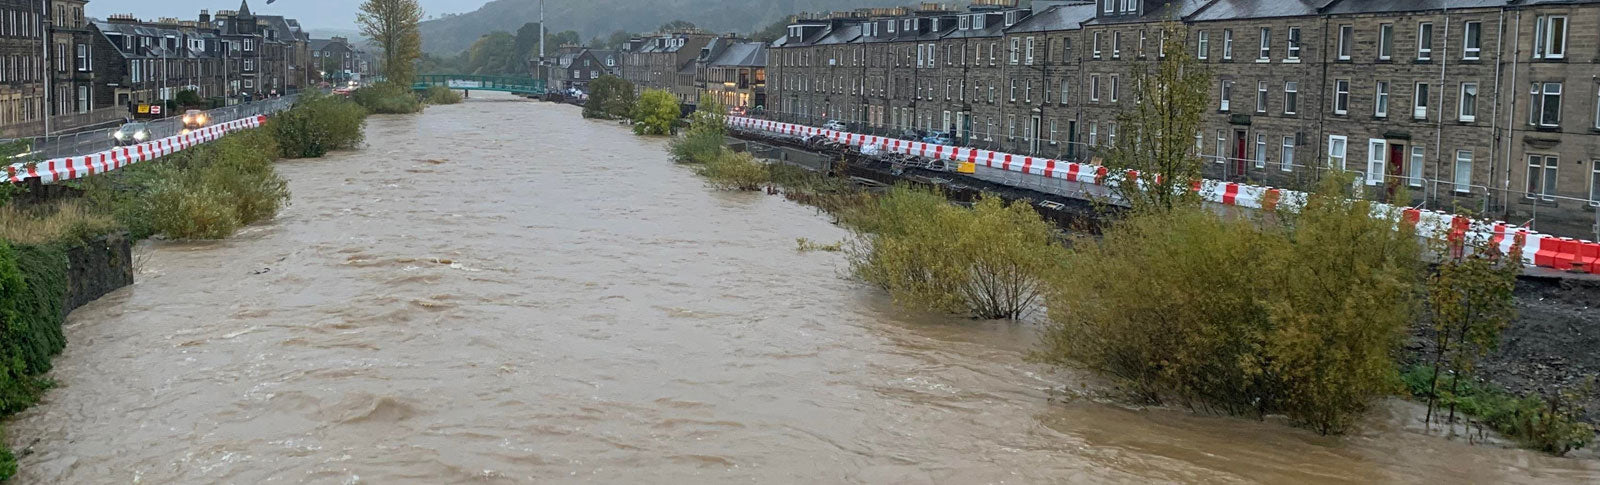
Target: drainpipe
point(1511, 113)
point(1438, 136)
point(1494, 116)
point(44, 10)
point(1322, 105)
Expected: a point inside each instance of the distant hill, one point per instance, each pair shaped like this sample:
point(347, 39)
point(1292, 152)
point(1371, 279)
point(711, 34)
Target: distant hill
point(454, 33)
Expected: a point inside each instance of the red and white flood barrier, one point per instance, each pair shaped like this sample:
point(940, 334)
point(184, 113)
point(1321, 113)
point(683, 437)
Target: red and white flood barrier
point(1538, 249)
point(69, 168)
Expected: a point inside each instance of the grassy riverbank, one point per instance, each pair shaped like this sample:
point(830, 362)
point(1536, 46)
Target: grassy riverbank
point(205, 192)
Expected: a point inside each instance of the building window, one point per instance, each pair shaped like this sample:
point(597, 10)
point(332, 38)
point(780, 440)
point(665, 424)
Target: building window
point(1337, 144)
point(1425, 41)
point(1111, 134)
point(1419, 106)
point(1013, 91)
point(1016, 49)
point(1204, 44)
point(1544, 108)
point(1094, 133)
point(1222, 142)
point(1028, 53)
point(1116, 45)
point(1052, 131)
point(1469, 102)
point(1261, 150)
point(85, 63)
point(1227, 94)
point(1345, 34)
point(1473, 40)
point(1261, 96)
point(1377, 160)
point(1415, 167)
point(1027, 90)
point(1381, 104)
point(1094, 87)
point(1294, 44)
point(1065, 86)
point(1594, 183)
point(1341, 97)
point(1114, 87)
point(1542, 176)
point(1291, 97)
point(1287, 158)
point(1266, 44)
point(1550, 37)
point(1463, 171)
point(1095, 45)
point(1385, 42)
point(1227, 44)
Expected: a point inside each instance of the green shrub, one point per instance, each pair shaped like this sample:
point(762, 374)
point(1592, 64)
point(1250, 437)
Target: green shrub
point(22, 351)
point(735, 171)
point(991, 261)
point(316, 125)
point(1549, 425)
point(698, 146)
point(191, 211)
point(386, 98)
point(441, 95)
point(655, 113)
point(1301, 315)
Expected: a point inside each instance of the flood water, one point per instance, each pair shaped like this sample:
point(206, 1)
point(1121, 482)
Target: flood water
point(502, 292)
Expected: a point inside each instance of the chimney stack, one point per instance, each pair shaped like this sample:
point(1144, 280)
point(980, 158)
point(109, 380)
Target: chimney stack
point(205, 16)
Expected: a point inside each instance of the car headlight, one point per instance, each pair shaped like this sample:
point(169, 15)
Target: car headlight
point(188, 119)
point(120, 135)
point(141, 135)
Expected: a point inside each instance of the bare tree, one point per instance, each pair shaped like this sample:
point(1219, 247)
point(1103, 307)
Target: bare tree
point(392, 24)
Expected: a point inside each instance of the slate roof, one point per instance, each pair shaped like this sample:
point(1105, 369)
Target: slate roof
point(1368, 6)
point(1245, 9)
point(1060, 17)
point(742, 54)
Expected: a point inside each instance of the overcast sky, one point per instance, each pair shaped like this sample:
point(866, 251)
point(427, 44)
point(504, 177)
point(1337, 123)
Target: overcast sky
point(335, 14)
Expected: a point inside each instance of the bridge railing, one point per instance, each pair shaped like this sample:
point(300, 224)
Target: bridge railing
point(515, 84)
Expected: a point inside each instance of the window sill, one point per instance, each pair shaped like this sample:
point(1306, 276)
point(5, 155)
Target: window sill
point(1470, 60)
point(1263, 60)
point(1538, 202)
point(1291, 61)
point(1422, 61)
point(1553, 60)
point(1472, 121)
point(1384, 60)
point(1547, 129)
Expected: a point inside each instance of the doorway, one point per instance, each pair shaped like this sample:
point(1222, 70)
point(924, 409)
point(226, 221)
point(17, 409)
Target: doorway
point(1240, 153)
point(1033, 135)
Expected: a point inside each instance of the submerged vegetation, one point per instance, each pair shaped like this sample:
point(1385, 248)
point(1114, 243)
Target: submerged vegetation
point(441, 95)
point(387, 98)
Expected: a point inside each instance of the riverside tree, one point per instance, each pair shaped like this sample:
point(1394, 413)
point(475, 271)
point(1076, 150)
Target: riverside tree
point(392, 24)
point(610, 97)
point(1157, 131)
point(1472, 298)
point(655, 113)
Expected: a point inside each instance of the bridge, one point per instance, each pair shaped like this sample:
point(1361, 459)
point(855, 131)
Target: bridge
point(509, 84)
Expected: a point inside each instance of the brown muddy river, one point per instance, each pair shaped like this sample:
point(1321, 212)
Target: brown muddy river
point(502, 292)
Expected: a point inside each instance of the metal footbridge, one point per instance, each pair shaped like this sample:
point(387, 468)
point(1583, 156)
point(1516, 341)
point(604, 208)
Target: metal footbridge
point(508, 84)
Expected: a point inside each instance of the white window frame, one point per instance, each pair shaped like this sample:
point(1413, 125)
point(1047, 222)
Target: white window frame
point(1291, 97)
point(1463, 105)
point(1261, 96)
point(1094, 87)
point(1548, 175)
point(1227, 44)
point(1287, 154)
point(1425, 49)
point(1341, 96)
point(1266, 45)
point(1203, 46)
point(1380, 100)
point(1293, 54)
point(1419, 101)
point(1338, 151)
point(1261, 150)
point(1346, 41)
point(1096, 45)
point(1224, 100)
point(1463, 178)
point(1385, 42)
point(1415, 166)
point(1472, 31)
point(1377, 160)
point(1547, 41)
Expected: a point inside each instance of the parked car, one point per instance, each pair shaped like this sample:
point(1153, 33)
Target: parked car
point(834, 125)
point(131, 134)
point(195, 119)
point(938, 138)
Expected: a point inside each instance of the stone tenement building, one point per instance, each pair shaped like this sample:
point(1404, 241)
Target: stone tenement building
point(1490, 105)
point(665, 61)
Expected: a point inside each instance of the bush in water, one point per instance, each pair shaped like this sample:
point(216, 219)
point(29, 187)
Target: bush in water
point(441, 95)
point(735, 171)
point(387, 98)
point(990, 261)
point(1300, 314)
point(655, 113)
point(698, 146)
point(318, 124)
